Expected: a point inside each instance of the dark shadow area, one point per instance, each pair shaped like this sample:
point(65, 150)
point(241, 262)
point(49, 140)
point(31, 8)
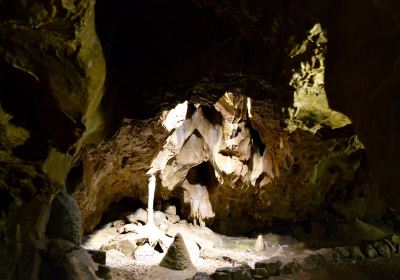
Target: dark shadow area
point(212, 115)
point(256, 138)
point(5, 201)
point(118, 210)
point(202, 174)
point(157, 52)
point(34, 109)
point(172, 201)
point(74, 177)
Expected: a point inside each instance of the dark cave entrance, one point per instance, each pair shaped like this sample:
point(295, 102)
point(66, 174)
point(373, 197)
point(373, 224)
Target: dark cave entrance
point(197, 198)
point(118, 210)
point(171, 201)
point(202, 174)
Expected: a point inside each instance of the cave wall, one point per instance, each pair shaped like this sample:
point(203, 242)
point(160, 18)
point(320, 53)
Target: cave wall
point(362, 80)
point(52, 74)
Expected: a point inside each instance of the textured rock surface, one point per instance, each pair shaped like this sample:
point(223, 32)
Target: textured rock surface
point(52, 73)
point(65, 220)
point(51, 58)
point(26, 200)
point(117, 169)
point(67, 261)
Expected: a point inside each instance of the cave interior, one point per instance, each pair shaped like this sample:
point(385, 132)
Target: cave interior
point(185, 139)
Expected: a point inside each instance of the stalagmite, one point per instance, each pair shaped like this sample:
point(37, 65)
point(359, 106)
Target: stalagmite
point(150, 202)
point(151, 231)
point(259, 246)
point(177, 256)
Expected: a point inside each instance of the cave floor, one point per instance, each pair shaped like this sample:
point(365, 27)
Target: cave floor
point(134, 251)
point(374, 269)
point(129, 254)
point(233, 251)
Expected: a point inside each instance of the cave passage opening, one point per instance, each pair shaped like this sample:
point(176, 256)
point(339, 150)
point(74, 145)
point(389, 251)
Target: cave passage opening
point(120, 209)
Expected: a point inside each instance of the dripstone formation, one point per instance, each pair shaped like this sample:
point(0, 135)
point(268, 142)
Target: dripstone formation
point(177, 257)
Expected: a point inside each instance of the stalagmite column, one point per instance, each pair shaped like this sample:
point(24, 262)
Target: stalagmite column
point(150, 202)
point(259, 246)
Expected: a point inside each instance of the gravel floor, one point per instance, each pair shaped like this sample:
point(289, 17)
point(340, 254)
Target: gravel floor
point(234, 252)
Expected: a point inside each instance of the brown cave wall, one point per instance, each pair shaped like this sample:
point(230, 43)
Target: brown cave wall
point(117, 168)
point(362, 80)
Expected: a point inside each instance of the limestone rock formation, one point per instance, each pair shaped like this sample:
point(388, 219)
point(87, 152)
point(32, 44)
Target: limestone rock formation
point(121, 163)
point(259, 246)
point(177, 256)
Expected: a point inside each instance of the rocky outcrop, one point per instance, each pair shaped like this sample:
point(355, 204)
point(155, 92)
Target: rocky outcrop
point(117, 169)
point(26, 197)
point(65, 219)
point(52, 74)
point(67, 261)
point(52, 60)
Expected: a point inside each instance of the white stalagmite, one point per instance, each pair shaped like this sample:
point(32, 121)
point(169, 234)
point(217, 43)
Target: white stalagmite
point(150, 202)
